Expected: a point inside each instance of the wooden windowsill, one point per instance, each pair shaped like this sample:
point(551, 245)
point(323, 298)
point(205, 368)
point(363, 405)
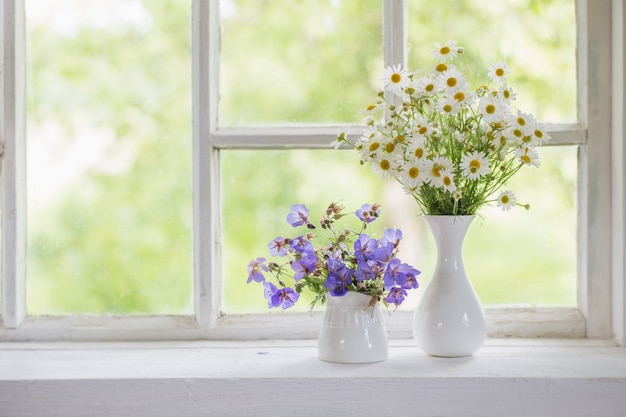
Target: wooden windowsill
point(507, 377)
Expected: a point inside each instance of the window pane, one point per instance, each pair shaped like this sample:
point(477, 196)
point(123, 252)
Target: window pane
point(109, 159)
point(539, 47)
point(304, 61)
point(516, 257)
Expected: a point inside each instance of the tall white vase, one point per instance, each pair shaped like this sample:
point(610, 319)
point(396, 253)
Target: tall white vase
point(449, 320)
point(352, 331)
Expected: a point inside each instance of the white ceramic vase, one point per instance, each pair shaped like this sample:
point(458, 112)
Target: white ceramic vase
point(352, 331)
point(449, 321)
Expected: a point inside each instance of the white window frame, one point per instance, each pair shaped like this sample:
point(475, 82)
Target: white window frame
point(601, 197)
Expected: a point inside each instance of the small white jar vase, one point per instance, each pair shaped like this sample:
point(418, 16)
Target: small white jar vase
point(449, 321)
point(353, 331)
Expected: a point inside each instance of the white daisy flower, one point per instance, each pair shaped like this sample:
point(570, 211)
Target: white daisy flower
point(383, 166)
point(506, 200)
point(435, 167)
point(539, 135)
point(507, 94)
point(475, 165)
point(452, 79)
point(462, 97)
point(425, 85)
point(447, 182)
point(416, 149)
point(412, 175)
point(498, 71)
point(448, 105)
point(528, 156)
point(447, 51)
point(492, 109)
point(395, 79)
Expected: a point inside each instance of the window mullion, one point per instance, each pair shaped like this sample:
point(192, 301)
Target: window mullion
point(594, 191)
point(395, 32)
point(13, 164)
point(205, 45)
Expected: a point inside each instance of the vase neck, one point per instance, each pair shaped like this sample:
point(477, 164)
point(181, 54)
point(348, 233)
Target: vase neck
point(449, 233)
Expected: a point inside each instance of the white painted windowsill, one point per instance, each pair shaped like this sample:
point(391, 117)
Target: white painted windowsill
point(273, 378)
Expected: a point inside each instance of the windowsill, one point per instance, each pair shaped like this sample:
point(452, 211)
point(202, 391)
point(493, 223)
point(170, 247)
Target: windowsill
point(507, 377)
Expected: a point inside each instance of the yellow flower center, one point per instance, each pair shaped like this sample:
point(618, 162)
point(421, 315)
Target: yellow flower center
point(374, 146)
point(500, 72)
point(396, 78)
point(441, 67)
point(526, 139)
point(422, 130)
point(539, 134)
point(525, 158)
point(429, 87)
point(419, 152)
point(459, 96)
point(451, 82)
point(389, 147)
point(447, 181)
point(447, 108)
point(474, 166)
point(400, 138)
point(385, 165)
point(444, 51)
point(371, 107)
point(506, 94)
point(490, 109)
point(414, 172)
point(436, 170)
point(517, 133)
point(504, 199)
point(521, 121)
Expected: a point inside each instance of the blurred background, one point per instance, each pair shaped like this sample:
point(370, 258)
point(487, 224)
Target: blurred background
point(109, 144)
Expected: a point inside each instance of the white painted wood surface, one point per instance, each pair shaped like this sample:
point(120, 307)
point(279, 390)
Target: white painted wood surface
point(506, 378)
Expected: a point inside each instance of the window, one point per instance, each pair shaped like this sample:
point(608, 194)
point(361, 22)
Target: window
point(203, 127)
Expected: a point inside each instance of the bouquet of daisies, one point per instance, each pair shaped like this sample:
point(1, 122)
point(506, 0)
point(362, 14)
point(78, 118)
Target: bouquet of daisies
point(450, 146)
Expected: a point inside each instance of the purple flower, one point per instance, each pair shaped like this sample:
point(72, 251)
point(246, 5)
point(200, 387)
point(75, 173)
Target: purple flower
point(365, 247)
point(339, 277)
point(304, 266)
point(396, 296)
point(384, 253)
point(409, 280)
point(368, 213)
point(285, 297)
point(370, 269)
point(278, 246)
point(254, 270)
point(298, 216)
point(301, 244)
point(393, 236)
point(396, 272)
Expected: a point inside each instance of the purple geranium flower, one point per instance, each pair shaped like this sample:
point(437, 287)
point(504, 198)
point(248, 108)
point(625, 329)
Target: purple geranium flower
point(365, 247)
point(393, 236)
point(396, 296)
point(301, 244)
point(304, 266)
point(370, 269)
point(396, 272)
point(299, 215)
point(367, 213)
point(254, 270)
point(409, 280)
point(285, 297)
point(278, 246)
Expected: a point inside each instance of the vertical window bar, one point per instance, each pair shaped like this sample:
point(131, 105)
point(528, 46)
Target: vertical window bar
point(205, 43)
point(395, 32)
point(13, 164)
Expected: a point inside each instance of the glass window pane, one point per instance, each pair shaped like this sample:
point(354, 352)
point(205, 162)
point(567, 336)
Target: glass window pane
point(286, 61)
point(516, 257)
point(109, 156)
point(539, 47)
